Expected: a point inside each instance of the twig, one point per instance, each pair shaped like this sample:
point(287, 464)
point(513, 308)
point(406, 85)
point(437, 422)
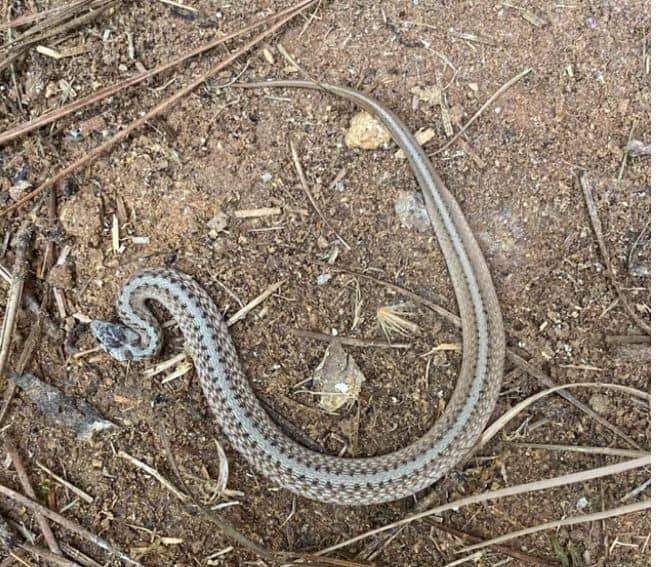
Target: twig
point(628, 340)
point(611, 451)
point(302, 180)
point(30, 18)
point(543, 378)
point(28, 349)
point(511, 356)
point(510, 551)
point(240, 314)
point(181, 6)
point(157, 110)
point(23, 239)
point(598, 231)
point(543, 484)
point(486, 105)
point(14, 296)
point(637, 490)
point(366, 343)
point(310, 19)
point(627, 509)
point(77, 491)
point(50, 557)
point(65, 522)
point(499, 423)
point(155, 474)
point(27, 488)
point(136, 79)
point(622, 167)
point(224, 525)
point(32, 36)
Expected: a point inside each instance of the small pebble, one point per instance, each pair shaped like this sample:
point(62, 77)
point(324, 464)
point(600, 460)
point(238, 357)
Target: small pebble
point(19, 190)
point(410, 209)
point(366, 132)
point(324, 278)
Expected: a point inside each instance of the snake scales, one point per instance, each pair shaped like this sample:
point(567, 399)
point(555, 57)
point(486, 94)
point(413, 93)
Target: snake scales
point(248, 426)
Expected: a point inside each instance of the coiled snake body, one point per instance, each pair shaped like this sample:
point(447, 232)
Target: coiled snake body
point(248, 426)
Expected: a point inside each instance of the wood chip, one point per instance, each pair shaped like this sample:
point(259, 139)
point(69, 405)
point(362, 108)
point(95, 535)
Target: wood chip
point(423, 136)
point(254, 213)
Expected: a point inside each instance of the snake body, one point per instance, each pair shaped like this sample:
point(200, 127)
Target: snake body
point(249, 428)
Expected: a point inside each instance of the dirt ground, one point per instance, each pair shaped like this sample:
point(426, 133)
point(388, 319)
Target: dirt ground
point(516, 175)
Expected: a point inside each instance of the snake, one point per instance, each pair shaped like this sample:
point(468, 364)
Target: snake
point(246, 424)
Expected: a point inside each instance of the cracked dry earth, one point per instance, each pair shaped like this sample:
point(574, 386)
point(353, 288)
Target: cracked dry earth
point(178, 190)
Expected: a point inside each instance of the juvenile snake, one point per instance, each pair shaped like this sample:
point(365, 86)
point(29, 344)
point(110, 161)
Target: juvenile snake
point(249, 428)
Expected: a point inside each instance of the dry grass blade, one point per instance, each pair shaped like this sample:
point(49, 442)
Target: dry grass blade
point(609, 451)
point(523, 557)
point(105, 92)
point(155, 474)
point(309, 196)
point(155, 111)
point(242, 313)
point(391, 319)
point(486, 105)
point(596, 516)
point(497, 425)
point(543, 484)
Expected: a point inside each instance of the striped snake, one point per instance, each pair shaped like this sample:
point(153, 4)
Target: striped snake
point(249, 428)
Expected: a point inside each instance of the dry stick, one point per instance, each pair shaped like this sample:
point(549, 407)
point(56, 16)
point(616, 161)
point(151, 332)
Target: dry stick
point(543, 484)
point(348, 340)
point(242, 313)
point(68, 26)
point(622, 167)
point(23, 239)
point(27, 488)
point(514, 358)
point(29, 18)
point(628, 340)
point(542, 377)
point(58, 17)
point(65, 522)
point(302, 180)
point(610, 451)
point(136, 79)
point(159, 109)
point(499, 423)
point(51, 558)
point(155, 474)
point(486, 105)
point(627, 509)
point(14, 296)
point(31, 304)
point(510, 551)
point(226, 528)
point(26, 354)
point(598, 231)
point(77, 491)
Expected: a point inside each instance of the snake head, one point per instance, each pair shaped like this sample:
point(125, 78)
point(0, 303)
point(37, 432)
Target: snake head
point(119, 341)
